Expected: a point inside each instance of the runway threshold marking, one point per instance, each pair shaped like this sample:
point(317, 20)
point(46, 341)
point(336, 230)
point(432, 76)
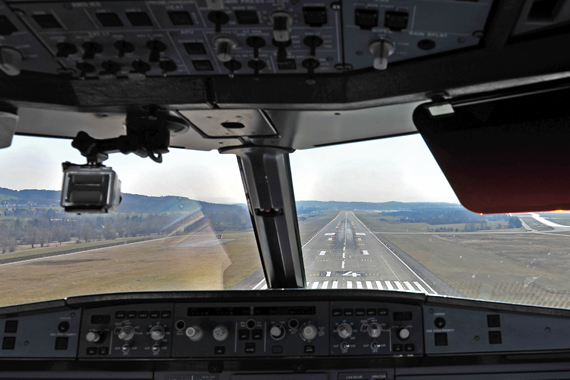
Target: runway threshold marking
point(315, 285)
point(359, 284)
point(325, 285)
point(399, 285)
point(369, 285)
point(389, 285)
point(335, 284)
point(322, 253)
point(396, 256)
point(379, 285)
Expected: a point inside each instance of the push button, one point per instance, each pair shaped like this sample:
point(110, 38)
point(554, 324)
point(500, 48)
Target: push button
point(250, 348)
point(103, 351)
point(243, 334)
point(257, 334)
point(348, 312)
point(11, 327)
point(61, 343)
point(219, 350)
point(9, 342)
point(131, 314)
point(91, 350)
point(359, 312)
point(409, 348)
point(120, 315)
point(440, 339)
point(397, 348)
point(309, 349)
point(336, 312)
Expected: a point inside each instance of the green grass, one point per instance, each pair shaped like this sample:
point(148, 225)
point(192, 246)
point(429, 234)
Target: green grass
point(391, 224)
point(51, 249)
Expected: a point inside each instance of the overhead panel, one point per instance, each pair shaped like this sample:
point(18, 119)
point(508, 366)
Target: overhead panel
point(139, 39)
point(396, 30)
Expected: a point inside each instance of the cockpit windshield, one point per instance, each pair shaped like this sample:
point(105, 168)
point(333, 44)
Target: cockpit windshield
point(376, 215)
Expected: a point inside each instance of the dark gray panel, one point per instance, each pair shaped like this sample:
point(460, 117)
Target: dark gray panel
point(385, 315)
point(48, 335)
point(110, 324)
point(449, 24)
point(468, 331)
point(291, 343)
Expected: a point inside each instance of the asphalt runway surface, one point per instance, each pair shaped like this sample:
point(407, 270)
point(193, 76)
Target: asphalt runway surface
point(345, 254)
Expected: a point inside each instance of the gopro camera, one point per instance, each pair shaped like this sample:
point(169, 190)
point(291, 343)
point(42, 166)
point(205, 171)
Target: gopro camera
point(90, 189)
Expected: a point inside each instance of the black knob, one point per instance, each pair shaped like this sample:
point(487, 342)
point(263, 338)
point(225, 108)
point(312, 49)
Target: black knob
point(313, 42)
point(156, 47)
point(84, 68)
point(91, 49)
point(168, 65)
point(281, 50)
point(256, 43)
point(110, 67)
point(140, 67)
point(219, 18)
point(232, 66)
point(256, 65)
point(311, 64)
point(124, 47)
point(64, 49)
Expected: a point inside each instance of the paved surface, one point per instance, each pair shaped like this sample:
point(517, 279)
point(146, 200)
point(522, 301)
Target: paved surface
point(345, 254)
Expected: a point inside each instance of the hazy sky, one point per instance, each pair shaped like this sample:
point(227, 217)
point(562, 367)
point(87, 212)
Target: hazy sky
point(395, 169)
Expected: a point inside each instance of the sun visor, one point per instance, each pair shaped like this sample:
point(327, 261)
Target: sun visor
point(507, 153)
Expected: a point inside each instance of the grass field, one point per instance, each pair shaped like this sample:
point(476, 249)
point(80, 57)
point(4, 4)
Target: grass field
point(373, 218)
point(520, 267)
point(66, 246)
point(188, 262)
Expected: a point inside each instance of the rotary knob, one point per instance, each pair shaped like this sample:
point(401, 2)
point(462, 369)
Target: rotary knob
point(344, 331)
point(225, 46)
point(127, 333)
point(374, 330)
point(220, 333)
point(404, 334)
point(157, 332)
point(277, 332)
point(381, 50)
point(195, 333)
point(94, 337)
point(309, 331)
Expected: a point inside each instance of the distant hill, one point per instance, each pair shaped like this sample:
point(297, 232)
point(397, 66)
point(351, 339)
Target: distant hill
point(309, 206)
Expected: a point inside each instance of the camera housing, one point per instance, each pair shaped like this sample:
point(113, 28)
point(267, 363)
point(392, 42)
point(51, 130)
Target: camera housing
point(90, 189)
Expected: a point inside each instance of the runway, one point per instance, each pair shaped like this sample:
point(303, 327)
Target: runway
point(345, 254)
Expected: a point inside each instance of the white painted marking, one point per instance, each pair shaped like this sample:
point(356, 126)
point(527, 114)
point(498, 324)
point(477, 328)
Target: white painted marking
point(379, 285)
point(359, 284)
point(330, 234)
point(388, 285)
point(396, 256)
point(420, 287)
point(344, 255)
point(364, 252)
point(335, 284)
point(330, 239)
point(360, 233)
point(258, 284)
point(329, 274)
point(400, 287)
point(355, 275)
point(369, 285)
point(322, 253)
point(325, 285)
point(409, 286)
point(264, 287)
point(349, 284)
point(343, 265)
point(315, 285)
point(359, 239)
point(349, 273)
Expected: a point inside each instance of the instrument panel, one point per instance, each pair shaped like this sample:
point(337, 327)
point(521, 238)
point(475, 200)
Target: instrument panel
point(370, 326)
point(156, 38)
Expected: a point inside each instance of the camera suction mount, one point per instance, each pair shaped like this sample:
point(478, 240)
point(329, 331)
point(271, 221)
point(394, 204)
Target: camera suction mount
point(148, 135)
point(95, 188)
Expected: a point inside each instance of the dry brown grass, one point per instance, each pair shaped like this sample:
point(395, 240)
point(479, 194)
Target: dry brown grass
point(521, 268)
